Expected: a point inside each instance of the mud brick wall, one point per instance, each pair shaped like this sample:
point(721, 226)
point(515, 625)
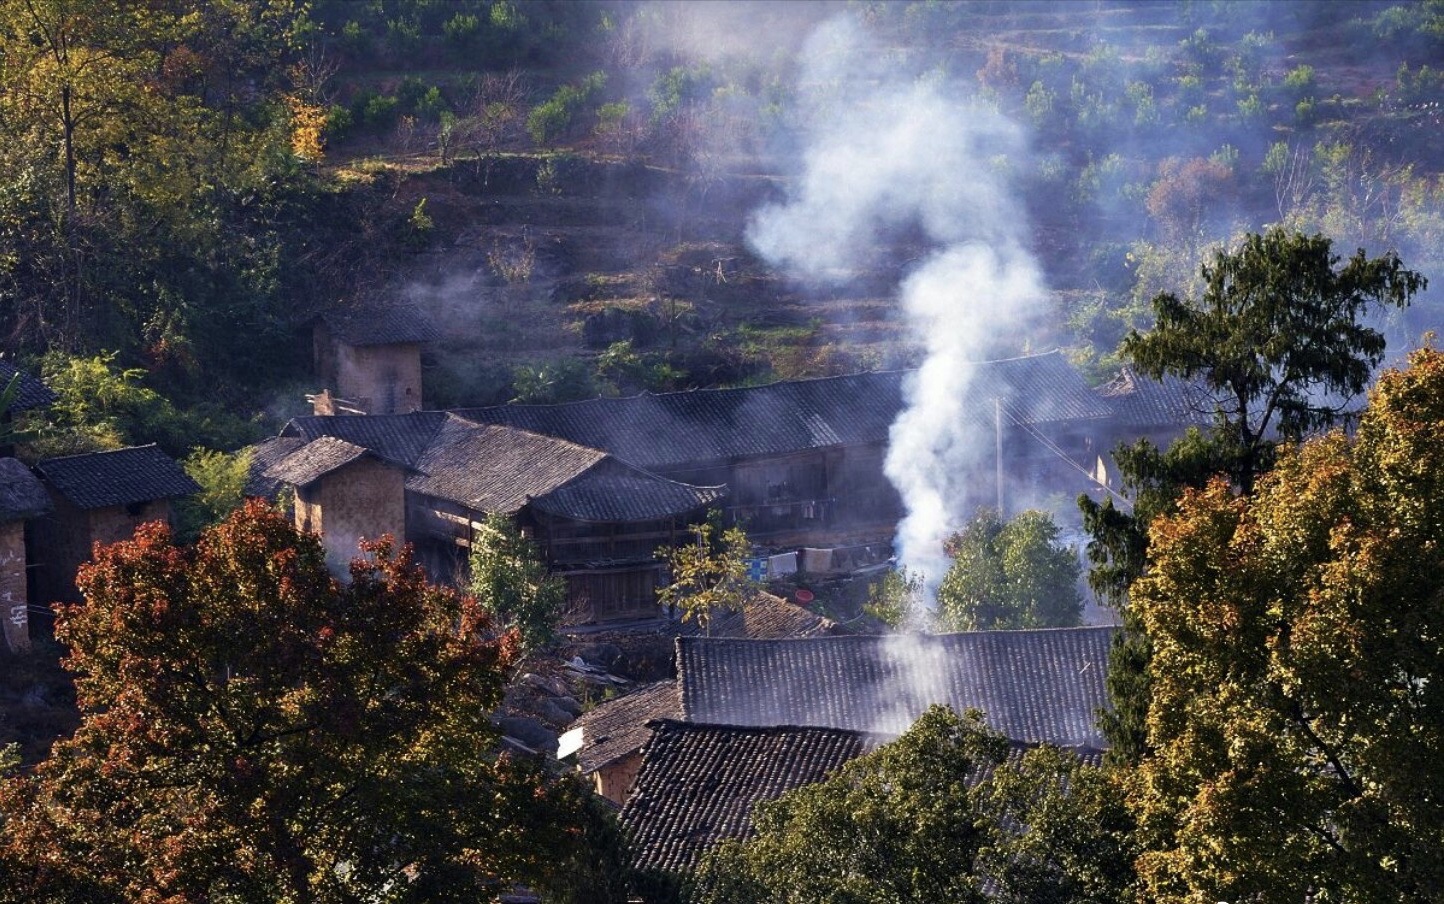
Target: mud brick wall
point(383, 379)
point(13, 597)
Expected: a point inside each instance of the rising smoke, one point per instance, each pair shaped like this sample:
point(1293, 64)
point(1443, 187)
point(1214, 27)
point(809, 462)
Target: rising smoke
point(883, 153)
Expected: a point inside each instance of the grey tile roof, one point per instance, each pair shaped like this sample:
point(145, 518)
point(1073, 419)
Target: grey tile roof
point(709, 425)
point(1042, 686)
point(496, 469)
point(617, 728)
point(22, 495)
point(381, 325)
point(767, 617)
point(1171, 402)
point(264, 454)
point(121, 477)
point(316, 459)
point(614, 491)
point(699, 783)
point(492, 468)
point(401, 438)
point(29, 393)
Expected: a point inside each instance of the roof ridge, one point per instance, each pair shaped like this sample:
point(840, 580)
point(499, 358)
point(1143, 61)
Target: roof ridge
point(96, 452)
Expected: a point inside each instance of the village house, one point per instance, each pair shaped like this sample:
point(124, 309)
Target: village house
point(98, 497)
point(803, 459)
point(22, 498)
point(431, 478)
point(1159, 411)
point(605, 744)
point(1042, 686)
point(369, 360)
point(700, 783)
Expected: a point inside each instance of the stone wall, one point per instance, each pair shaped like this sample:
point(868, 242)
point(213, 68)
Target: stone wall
point(13, 597)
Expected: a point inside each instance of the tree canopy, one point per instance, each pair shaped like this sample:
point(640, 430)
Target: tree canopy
point(1281, 341)
point(509, 578)
point(1009, 574)
point(255, 730)
point(709, 575)
point(1297, 677)
point(940, 814)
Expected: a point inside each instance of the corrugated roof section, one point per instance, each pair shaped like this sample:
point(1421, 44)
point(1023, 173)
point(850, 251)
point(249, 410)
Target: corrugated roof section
point(121, 477)
point(1042, 686)
point(699, 783)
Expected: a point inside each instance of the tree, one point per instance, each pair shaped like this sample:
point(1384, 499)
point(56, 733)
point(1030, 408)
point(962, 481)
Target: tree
point(708, 575)
point(222, 478)
point(1279, 339)
point(937, 815)
point(254, 730)
point(1009, 574)
point(896, 600)
point(1297, 681)
point(511, 582)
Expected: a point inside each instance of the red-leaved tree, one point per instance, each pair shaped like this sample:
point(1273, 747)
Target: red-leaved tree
point(254, 730)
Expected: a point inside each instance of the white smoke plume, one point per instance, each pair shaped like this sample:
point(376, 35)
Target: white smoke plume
point(884, 152)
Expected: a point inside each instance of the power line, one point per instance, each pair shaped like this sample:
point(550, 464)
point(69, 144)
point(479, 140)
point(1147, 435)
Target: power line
point(1051, 446)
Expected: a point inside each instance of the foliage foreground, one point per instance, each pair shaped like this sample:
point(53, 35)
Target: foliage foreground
point(256, 730)
point(1297, 715)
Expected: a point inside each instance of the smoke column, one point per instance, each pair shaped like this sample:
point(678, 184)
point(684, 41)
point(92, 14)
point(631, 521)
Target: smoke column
point(884, 152)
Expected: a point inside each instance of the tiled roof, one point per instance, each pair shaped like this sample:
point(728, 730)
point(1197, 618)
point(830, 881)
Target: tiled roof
point(616, 491)
point(29, 393)
point(400, 438)
point(491, 468)
point(699, 783)
point(124, 476)
point(264, 454)
point(21, 494)
point(767, 617)
point(1042, 686)
point(1141, 402)
point(619, 727)
point(316, 459)
point(495, 469)
point(381, 325)
point(708, 425)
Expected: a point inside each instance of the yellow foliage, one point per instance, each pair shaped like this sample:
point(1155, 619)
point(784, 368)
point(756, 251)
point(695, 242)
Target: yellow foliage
point(308, 121)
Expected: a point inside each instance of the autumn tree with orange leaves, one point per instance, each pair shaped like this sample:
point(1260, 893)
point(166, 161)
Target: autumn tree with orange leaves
point(255, 730)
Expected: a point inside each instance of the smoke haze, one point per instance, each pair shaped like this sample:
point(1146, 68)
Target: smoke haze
point(885, 154)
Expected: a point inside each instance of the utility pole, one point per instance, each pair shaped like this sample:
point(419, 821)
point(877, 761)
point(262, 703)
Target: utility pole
point(998, 453)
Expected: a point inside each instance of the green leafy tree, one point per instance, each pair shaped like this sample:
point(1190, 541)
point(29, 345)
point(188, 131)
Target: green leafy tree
point(510, 580)
point(897, 600)
point(1009, 574)
point(254, 730)
point(222, 477)
point(1297, 687)
point(936, 815)
point(709, 575)
point(1279, 339)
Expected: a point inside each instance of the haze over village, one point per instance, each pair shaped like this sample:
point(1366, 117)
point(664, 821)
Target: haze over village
point(721, 452)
